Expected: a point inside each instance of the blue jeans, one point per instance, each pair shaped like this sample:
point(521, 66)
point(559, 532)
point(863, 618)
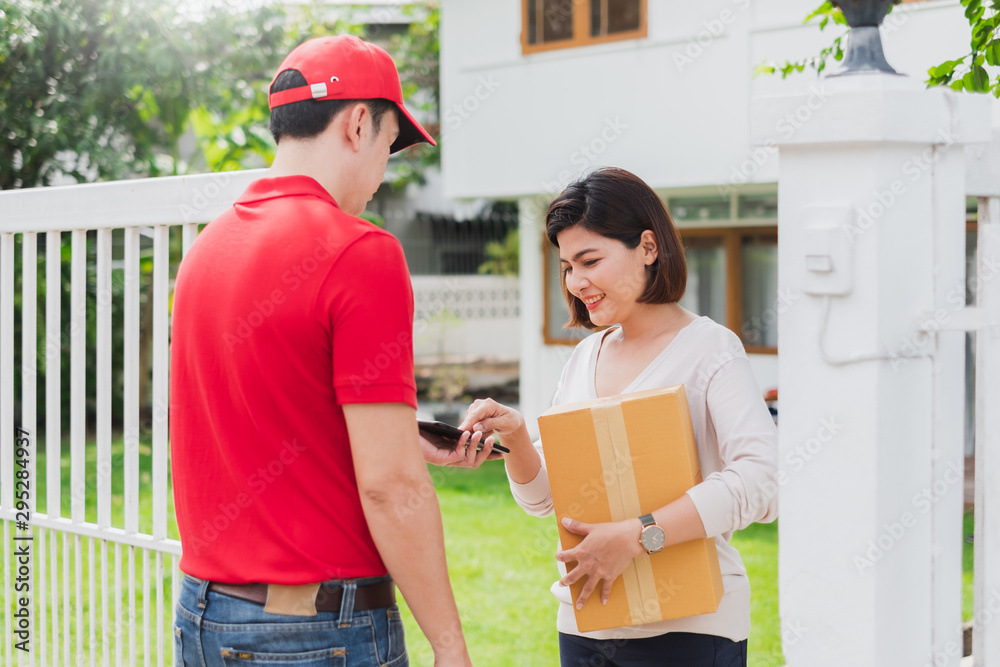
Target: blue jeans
point(211, 629)
point(674, 649)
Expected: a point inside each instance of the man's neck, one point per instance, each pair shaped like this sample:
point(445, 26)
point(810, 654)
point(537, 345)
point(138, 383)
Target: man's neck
point(309, 158)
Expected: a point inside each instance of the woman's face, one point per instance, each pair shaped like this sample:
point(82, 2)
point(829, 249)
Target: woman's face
point(604, 273)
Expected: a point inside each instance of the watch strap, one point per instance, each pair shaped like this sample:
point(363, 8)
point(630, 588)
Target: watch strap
point(647, 520)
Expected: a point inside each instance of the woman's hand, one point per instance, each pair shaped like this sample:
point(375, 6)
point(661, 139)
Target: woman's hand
point(489, 417)
point(466, 455)
point(605, 552)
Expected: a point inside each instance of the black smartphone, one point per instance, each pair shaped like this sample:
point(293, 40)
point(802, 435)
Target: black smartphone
point(446, 436)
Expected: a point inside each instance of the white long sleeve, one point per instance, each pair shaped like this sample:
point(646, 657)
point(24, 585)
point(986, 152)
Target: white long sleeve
point(534, 497)
point(743, 491)
point(737, 448)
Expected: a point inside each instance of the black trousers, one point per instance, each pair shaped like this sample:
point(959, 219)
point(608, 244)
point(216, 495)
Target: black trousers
point(674, 649)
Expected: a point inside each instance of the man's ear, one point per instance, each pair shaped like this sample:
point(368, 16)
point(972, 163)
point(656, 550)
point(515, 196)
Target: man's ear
point(358, 123)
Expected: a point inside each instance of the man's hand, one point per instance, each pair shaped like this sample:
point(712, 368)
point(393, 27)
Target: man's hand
point(466, 455)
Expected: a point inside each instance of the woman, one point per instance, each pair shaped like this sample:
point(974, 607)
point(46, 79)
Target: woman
point(623, 268)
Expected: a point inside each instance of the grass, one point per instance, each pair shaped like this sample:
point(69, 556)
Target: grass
point(500, 559)
point(501, 563)
point(72, 563)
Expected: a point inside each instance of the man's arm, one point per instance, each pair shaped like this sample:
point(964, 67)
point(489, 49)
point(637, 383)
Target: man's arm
point(402, 511)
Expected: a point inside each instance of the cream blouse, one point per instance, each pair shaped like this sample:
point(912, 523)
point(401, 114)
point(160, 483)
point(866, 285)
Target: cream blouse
point(737, 445)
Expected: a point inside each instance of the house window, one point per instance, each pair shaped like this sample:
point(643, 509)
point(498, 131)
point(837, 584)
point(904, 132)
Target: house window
point(558, 24)
point(733, 278)
point(556, 310)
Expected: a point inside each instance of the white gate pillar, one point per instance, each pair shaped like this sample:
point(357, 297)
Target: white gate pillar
point(871, 205)
point(983, 181)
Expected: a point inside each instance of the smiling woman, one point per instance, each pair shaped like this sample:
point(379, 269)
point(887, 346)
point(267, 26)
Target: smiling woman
point(615, 205)
point(623, 267)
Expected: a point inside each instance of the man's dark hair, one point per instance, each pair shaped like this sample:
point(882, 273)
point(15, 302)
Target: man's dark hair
point(617, 204)
point(308, 118)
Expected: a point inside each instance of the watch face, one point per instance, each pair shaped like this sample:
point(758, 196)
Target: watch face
point(653, 538)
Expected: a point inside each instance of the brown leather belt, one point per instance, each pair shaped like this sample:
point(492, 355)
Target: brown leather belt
point(328, 598)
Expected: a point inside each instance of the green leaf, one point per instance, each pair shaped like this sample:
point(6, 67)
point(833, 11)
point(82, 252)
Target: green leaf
point(980, 79)
point(944, 69)
point(763, 68)
point(825, 9)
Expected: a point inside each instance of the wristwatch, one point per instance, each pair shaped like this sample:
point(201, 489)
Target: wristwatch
point(652, 536)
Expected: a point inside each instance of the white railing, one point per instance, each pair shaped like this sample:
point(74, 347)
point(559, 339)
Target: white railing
point(466, 318)
point(86, 604)
point(983, 182)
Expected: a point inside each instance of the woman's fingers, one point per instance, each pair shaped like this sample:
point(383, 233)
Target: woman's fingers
point(606, 592)
point(577, 527)
point(480, 409)
point(593, 578)
point(572, 576)
point(588, 588)
point(485, 415)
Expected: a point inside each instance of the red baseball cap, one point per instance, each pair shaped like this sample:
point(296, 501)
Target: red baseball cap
point(343, 67)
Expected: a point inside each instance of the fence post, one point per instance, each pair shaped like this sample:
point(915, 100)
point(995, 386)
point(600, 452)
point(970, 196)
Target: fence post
point(986, 629)
point(871, 206)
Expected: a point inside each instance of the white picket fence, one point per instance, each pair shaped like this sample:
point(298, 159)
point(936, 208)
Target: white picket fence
point(100, 583)
point(461, 319)
point(982, 174)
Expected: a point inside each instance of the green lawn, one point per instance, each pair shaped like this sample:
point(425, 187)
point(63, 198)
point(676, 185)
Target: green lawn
point(500, 559)
point(502, 565)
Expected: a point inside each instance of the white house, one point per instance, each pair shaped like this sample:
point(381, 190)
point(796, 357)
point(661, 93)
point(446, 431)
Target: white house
point(536, 92)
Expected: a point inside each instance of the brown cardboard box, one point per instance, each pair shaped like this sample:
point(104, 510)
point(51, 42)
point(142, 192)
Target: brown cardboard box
point(618, 458)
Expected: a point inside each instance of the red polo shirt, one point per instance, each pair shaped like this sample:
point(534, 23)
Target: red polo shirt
point(285, 309)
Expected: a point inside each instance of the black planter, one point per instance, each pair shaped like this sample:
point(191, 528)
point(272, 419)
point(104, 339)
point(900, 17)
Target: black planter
point(864, 12)
point(864, 53)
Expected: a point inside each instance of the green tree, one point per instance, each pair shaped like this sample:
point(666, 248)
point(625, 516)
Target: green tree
point(417, 52)
point(102, 89)
point(967, 72)
point(111, 89)
point(106, 89)
point(503, 257)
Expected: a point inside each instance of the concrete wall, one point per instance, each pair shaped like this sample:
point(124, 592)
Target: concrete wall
point(673, 108)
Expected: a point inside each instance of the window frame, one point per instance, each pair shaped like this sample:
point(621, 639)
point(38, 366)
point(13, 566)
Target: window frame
point(547, 252)
point(732, 244)
point(581, 29)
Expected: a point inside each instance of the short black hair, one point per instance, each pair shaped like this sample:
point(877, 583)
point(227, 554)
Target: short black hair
point(618, 204)
point(308, 118)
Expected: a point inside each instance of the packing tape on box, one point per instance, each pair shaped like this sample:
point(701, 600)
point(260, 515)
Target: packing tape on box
point(623, 498)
